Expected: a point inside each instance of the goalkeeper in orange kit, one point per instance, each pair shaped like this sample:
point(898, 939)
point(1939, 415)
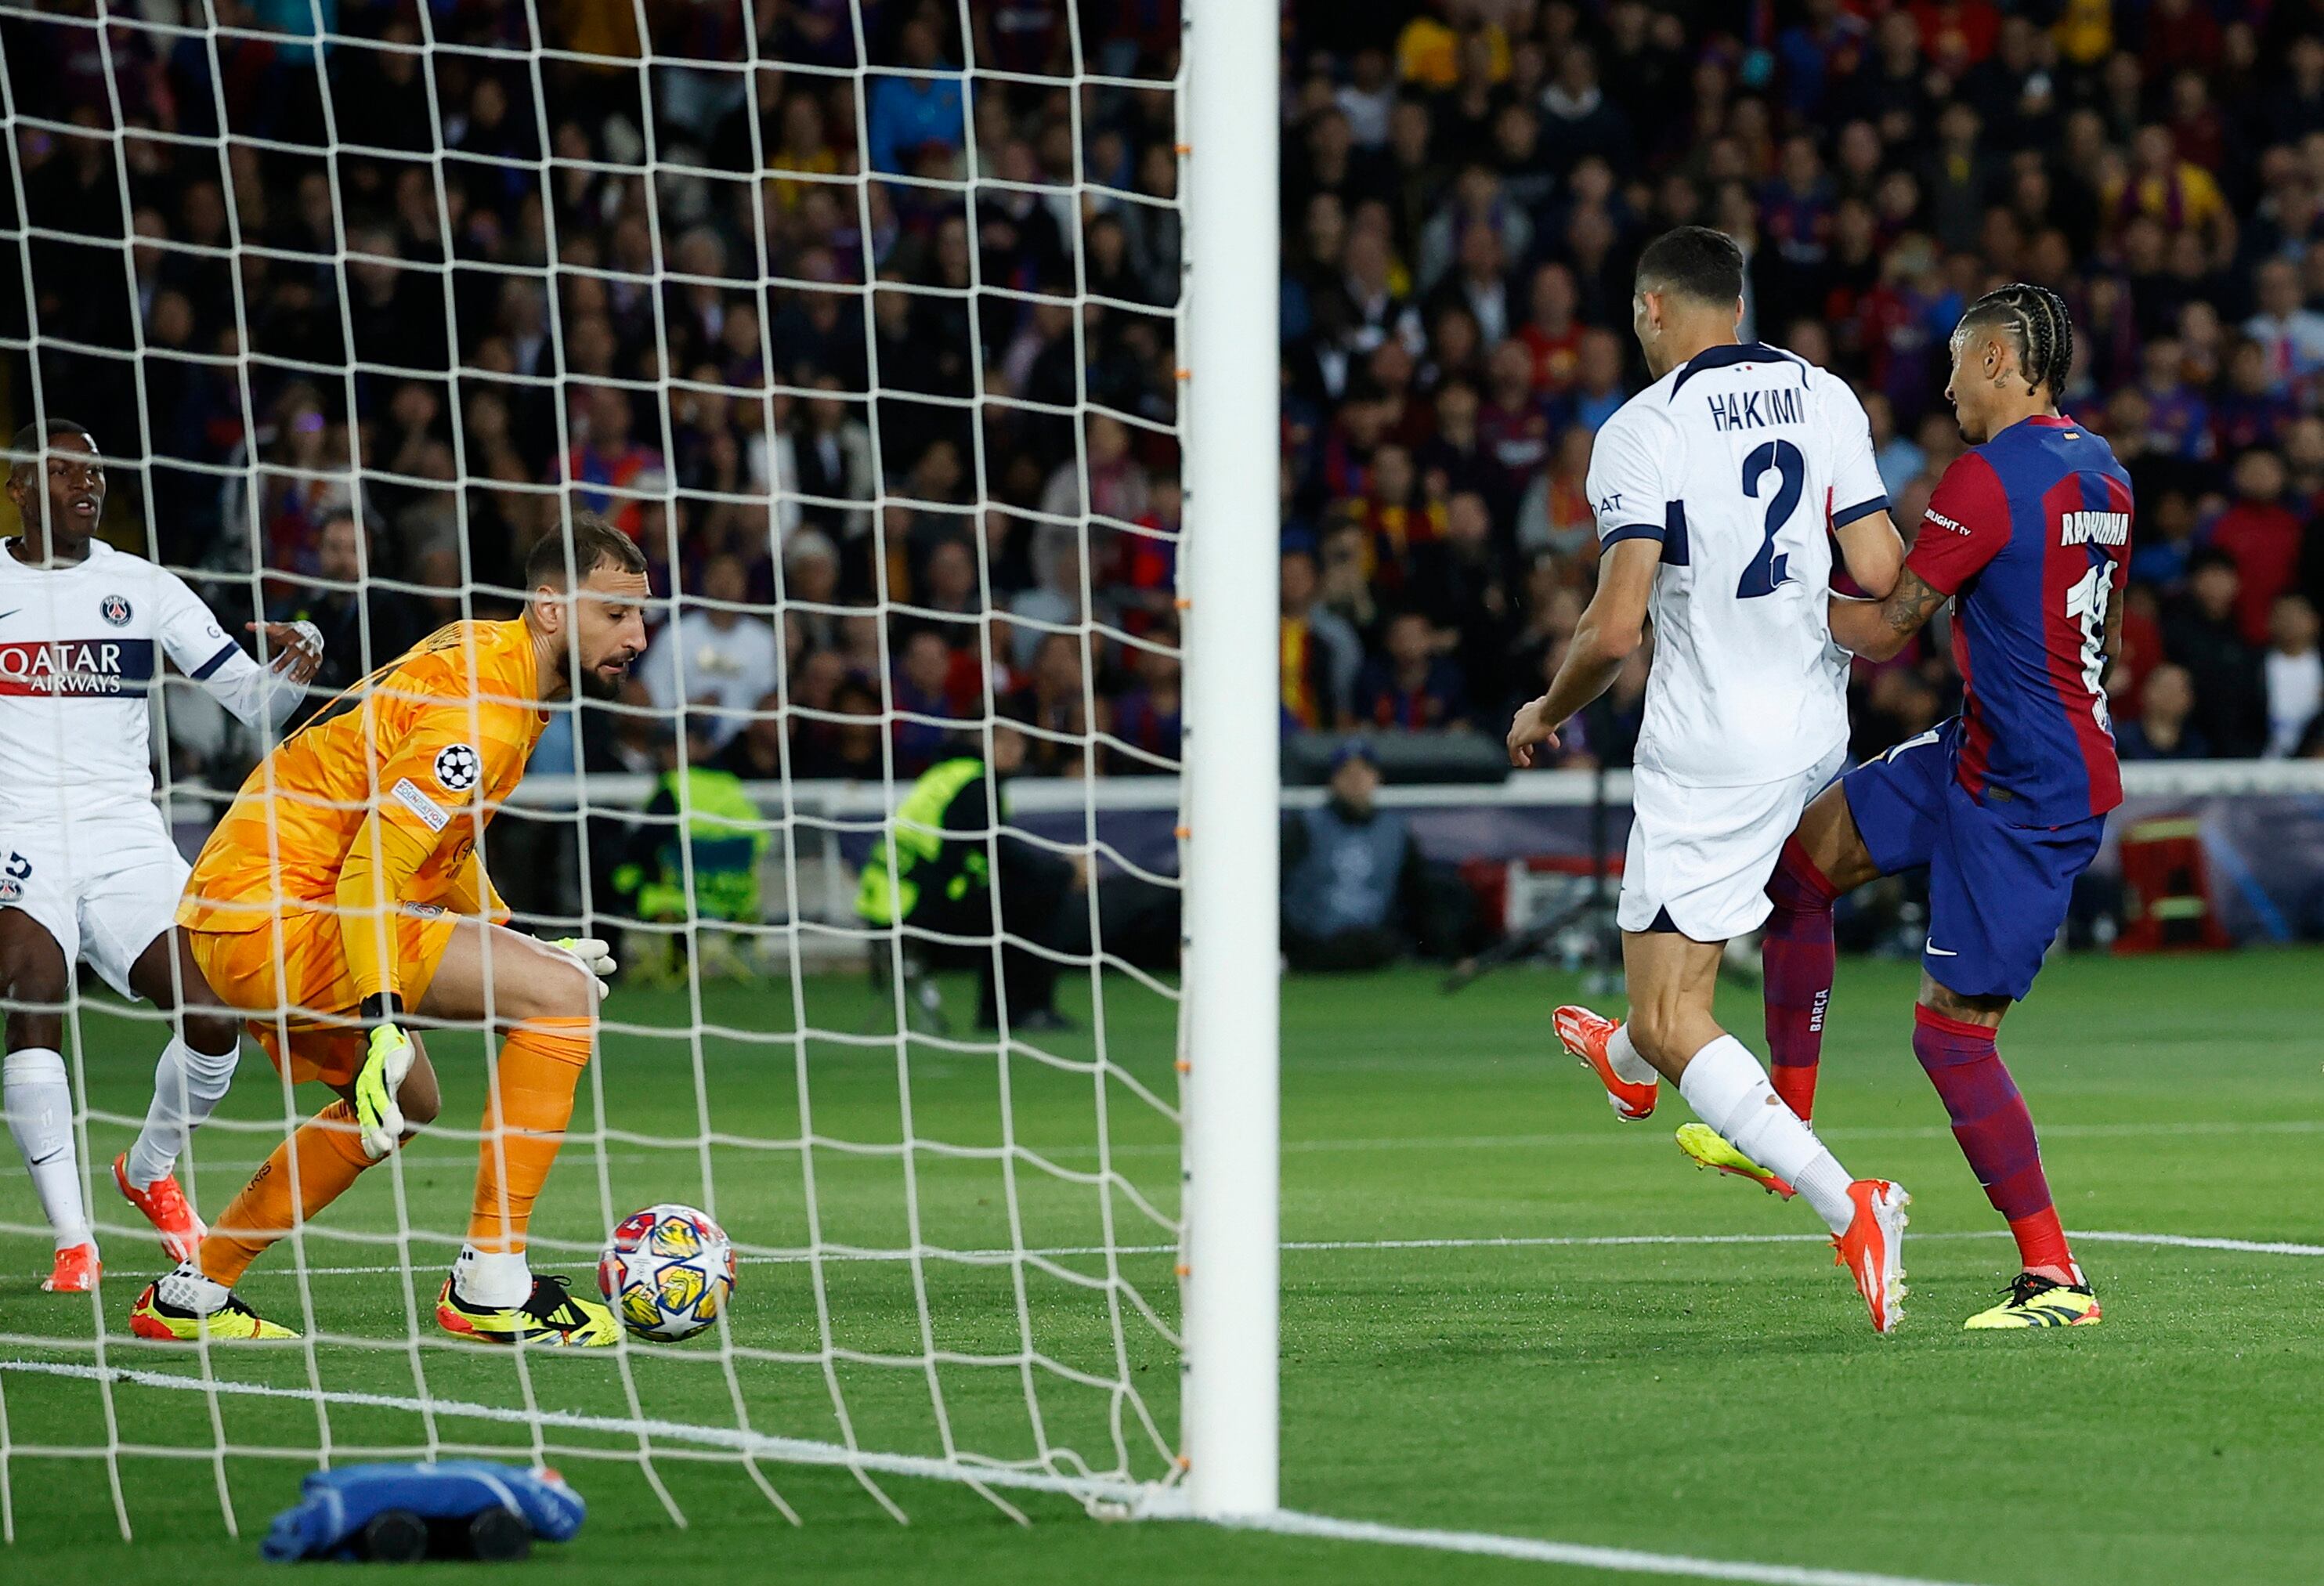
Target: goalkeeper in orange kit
point(343, 893)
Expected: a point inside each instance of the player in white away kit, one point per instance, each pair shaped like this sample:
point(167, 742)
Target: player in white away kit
point(1717, 490)
point(87, 867)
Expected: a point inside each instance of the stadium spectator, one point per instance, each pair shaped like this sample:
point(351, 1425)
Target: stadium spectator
point(1321, 652)
point(2260, 535)
point(1344, 588)
point(1462, 585)
point(1147, 721)
point(1899, 460)
point(916, 115)
point(1053, 703)
point(755, 755)
point(2289, 334)
point(1464, 189)
point(364, 625)
point(2200, 632)
point(1353, 879)
point(717, 657)
point(925, 705)
point(2294, 674)
point(1411, 687)
point(1056, 604)
point(1598, 385)
point(606, 459)
point(1556, 514)
point(811, 588)
point(2159, 730)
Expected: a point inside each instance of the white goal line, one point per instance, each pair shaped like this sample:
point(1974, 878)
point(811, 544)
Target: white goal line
point(1127, 1499)
point(1622, 1561)
point(2188, 1241)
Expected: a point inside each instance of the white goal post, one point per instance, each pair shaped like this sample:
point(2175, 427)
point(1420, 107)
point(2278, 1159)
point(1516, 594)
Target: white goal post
point(1232, 1029)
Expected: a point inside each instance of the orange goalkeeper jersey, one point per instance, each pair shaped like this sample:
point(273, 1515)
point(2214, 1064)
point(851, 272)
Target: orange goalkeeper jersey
point(429, 747)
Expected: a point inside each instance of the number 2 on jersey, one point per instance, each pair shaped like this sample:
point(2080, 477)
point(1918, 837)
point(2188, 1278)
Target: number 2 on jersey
point(1767, 569)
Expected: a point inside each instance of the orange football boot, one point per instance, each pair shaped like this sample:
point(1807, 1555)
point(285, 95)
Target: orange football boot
point(76, 1272)
point(1873, 1248)
point(165, 1207)
point(1585, 1035)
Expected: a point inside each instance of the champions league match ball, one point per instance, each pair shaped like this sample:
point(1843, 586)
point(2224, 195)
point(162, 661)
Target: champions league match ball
point(667, 1271)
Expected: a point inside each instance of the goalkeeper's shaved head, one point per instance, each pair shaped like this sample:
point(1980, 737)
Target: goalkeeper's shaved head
point(1688, 295)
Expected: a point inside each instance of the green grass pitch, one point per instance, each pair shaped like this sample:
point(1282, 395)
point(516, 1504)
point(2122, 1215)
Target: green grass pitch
point(1719, 1400)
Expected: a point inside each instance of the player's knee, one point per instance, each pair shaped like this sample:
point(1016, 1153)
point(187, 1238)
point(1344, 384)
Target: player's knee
point(1799, 885)
point(1951, 1004)
point(562, 990)
point(531, 982)
point(211, 1033)
point(38, 982)
point(35, 975)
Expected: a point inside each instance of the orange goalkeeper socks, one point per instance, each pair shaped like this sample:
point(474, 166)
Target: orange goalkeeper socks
point(330, 1157)
point(524, 1124)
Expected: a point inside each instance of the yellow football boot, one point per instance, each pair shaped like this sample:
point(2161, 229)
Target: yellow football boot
point(232, 1323)
point(2035, 1301)
point(551, 1316)
point(1705, 1147)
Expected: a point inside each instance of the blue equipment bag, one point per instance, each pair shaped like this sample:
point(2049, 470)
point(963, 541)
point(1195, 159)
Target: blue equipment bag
point(401, 1513)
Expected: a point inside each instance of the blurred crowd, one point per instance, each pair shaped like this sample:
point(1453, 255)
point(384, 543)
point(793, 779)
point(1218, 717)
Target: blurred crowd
point(892, 345)
point(1467, 184)
point(432, 285)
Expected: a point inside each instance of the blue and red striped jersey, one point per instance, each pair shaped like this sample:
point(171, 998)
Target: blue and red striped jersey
point(2030, 533)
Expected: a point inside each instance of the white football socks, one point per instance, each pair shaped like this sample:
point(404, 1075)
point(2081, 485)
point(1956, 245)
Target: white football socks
point(40, 1116)
point(1623, 1058)
point(188, 1086)
point(1728, 1091)
point(499, 1279)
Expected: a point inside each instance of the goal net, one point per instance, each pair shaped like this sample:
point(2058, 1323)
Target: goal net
point(870, 324)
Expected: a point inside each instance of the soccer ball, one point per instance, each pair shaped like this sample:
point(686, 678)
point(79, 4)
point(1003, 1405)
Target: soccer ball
point(667, 1272)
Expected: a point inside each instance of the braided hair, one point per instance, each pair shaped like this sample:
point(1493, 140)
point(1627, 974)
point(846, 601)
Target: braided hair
point(2037, 317)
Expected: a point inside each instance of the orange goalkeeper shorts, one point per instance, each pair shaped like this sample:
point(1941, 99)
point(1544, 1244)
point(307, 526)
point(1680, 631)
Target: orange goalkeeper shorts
point(306, 994)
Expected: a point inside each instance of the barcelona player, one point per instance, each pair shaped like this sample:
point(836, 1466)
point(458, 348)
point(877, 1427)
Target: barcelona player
point(343, 894)
point(2028, 533)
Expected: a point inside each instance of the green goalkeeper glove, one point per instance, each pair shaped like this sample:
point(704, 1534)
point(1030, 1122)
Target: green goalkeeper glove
point(596, 956)
point(388, 1055)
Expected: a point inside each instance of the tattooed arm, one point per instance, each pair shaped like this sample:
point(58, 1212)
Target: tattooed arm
point(1878, 629)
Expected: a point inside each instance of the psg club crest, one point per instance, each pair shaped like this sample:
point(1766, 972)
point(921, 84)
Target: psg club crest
point(12, 877)
point(457, 767)
point(115, 609)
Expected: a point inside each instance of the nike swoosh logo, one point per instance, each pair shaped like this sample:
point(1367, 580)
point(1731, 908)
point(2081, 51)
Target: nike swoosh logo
point(6, 614)
point(1934, 950)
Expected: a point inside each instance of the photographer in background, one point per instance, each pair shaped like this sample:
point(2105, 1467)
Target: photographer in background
point(1356, 892)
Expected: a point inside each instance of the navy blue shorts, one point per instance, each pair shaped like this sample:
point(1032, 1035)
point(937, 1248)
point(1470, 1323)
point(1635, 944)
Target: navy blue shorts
point(1997, 893)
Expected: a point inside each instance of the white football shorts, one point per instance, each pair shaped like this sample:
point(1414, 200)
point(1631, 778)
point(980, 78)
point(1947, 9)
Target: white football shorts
point(1701, 856)
point(103, 885)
